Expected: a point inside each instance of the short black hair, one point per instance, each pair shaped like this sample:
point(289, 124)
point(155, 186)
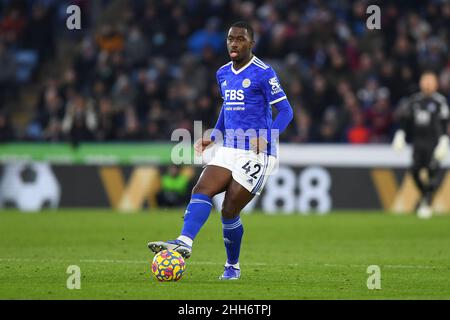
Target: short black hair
point(244, 25)
point(429, 72)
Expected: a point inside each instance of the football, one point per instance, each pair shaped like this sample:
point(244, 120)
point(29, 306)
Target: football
point(168, 265)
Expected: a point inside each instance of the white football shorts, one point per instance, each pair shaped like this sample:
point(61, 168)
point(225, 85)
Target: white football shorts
point(249, 169)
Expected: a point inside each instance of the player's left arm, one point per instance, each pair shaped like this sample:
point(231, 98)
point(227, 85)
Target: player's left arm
point(284, 117)
point(442, 148)
point(274, 93)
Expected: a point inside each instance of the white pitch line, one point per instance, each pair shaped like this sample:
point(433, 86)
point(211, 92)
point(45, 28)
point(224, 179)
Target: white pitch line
point(413, 267)
point(389, 266)
point(18, 259)
point(118, 261)
point(189, 262)
point(256, 264)
point(142, 261)
point(113, 261)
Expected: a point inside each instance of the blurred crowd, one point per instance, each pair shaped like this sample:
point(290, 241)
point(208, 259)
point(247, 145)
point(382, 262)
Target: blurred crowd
point(153, 70)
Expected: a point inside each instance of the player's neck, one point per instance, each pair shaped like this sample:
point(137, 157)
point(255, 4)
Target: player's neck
point(239, 64)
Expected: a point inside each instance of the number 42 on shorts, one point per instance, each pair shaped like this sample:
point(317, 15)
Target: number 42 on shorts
point(252, 170)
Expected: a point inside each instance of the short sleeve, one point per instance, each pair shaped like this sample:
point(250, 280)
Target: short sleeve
point(219, 84)
point(271, 87)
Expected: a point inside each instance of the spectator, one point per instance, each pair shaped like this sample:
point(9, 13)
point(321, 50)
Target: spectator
point(53, 132)
point(12, 27)
point(444, 82)
point(160, 57)
point(85, 63)
point(328, 131)
point(132, 129)
point(358, 132)
point(136, 49)
point(174, 187)
point(7, 73)
point(80, 120)
point(304, 127)
point(110, 40)
point(6, 131)
point(123, 93)
point(372, 92)
point(40, 32)
point(380, 120)
point(50, 112)
point(107, 120)
point(319, 99)
point(208, 37)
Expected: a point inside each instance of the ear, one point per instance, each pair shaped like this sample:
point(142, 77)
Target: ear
point(252, 44)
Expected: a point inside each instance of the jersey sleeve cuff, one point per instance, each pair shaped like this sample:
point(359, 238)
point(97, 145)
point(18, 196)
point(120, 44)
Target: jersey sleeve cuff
point(278, 100)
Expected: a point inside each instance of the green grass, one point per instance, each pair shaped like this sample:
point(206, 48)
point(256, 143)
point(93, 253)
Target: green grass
point(283, 257)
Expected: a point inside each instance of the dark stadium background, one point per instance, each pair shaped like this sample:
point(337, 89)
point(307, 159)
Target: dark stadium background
point(143, 68)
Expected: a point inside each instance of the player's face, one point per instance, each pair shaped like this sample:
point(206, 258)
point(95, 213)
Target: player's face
point(428, 83)
point(239, 44)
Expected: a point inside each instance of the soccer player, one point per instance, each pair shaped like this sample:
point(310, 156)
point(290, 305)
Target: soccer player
point(426, 115)
point(247, 154)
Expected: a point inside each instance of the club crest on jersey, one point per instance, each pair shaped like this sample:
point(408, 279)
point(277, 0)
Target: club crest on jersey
point(224, 84)
point(246, 83)
point(276, 87)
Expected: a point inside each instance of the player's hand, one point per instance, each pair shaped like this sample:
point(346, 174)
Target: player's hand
point(441, 150)
point(399, 141)
point(258, 144)
point(201, 144)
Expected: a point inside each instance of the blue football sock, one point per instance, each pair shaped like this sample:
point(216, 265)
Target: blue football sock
point(232, 236)
point(197, 212)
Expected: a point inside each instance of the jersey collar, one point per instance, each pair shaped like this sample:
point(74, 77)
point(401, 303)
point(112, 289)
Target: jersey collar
point(244, 67)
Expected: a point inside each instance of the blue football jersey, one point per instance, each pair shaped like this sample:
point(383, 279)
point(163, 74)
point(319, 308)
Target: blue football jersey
point(248, 95)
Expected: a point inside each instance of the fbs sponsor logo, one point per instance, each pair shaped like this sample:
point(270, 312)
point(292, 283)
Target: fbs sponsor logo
point(233, 95)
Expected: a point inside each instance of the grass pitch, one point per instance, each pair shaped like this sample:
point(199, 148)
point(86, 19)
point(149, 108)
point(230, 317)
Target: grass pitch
point(283, 257)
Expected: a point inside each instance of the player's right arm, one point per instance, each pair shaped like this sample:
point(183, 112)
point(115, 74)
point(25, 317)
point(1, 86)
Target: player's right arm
point(444, 114)
point(442, 148)
point(217, 133)
point(399, 141)
point(203, 143)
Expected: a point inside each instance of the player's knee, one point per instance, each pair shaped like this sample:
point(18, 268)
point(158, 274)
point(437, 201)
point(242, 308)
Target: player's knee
point(229, 211)
point(201, 189)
